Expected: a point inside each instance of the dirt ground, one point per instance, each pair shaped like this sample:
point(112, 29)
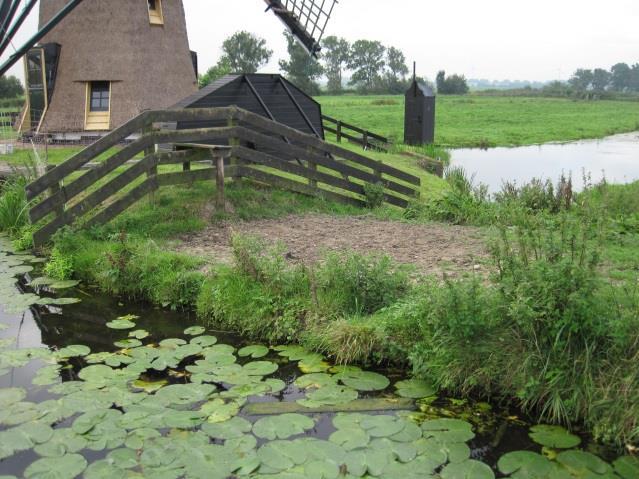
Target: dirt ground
point(433, 249)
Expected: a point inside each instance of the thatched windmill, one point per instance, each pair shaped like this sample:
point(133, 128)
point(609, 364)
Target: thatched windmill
point(106, 61)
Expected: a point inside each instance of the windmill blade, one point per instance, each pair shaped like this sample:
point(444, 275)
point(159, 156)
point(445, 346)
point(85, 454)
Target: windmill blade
point(306, 19)
point(9, 31)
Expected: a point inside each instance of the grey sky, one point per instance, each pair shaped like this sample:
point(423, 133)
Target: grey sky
point(494, 39)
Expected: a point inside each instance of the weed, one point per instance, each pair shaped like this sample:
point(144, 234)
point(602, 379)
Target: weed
point(374, 194)
point(14, 208)
point(59, 266)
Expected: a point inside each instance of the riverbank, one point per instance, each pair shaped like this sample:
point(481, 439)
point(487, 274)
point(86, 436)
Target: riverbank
point(480, 121)
point(556, 290)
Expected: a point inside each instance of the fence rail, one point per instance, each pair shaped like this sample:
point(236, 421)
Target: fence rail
point(365, 138)
point(251, 146)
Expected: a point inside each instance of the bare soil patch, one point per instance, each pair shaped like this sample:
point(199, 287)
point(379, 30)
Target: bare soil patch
point(433, 248)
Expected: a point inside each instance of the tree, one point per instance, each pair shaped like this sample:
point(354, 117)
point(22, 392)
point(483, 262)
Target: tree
point(10, 87)
point(634, 77)
point(581, 80)
point(367, 62)
point(301, 68)
point(335, 54)
point(397, 70)
point(621, 77)
point(222, 68)
point(600, 79)
point(245, 52)
point(452, 85)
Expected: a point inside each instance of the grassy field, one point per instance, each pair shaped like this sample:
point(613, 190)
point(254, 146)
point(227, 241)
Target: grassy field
point(476, 121)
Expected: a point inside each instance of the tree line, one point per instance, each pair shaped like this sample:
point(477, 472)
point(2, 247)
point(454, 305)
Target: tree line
point(621, 78)
point(372, 68)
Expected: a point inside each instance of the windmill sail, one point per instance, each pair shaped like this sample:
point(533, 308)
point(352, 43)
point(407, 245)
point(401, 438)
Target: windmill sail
point(9, 27)
point(306, 19)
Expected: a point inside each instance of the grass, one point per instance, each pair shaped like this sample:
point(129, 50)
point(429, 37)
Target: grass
point(480, 121)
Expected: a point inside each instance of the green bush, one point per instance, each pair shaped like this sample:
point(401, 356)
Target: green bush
point(59, 266)
point(14, 208)
point(374, 194)
point(355, 284)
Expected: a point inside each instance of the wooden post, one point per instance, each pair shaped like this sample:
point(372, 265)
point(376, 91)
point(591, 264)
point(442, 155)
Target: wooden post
point(186, 166)
point(233, 160)
point(220, 200)
point(153, 171)
point(339, 132)
point(55, 188)
point(312, 166)
point(365, 140)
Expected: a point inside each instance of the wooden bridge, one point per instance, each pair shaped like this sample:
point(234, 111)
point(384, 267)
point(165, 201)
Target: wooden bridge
point(244, 148)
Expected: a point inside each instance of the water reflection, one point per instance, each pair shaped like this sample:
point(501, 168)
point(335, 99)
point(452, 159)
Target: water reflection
point(616, 157)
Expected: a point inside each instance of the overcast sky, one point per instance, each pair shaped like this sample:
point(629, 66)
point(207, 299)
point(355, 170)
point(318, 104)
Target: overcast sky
point(493, 39)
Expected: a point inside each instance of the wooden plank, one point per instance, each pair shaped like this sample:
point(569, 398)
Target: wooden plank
point(118, 135)
point(75, 162)
point(133, 196)
point(220, 200)
point(309, 140)
point(356, 129)
point(359, 405)
point(188, 177)
point(40, 210)
point(327, 162)
point(179, 157)
point(285, 183)
point(96, 198)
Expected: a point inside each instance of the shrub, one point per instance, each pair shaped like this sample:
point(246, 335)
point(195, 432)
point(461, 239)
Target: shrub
point(14, 208)
point(59, 266)
point(374, 193)
point(355, 284)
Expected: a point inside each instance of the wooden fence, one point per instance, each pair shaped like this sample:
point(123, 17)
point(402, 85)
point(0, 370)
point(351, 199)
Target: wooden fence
point(355, 134)
point(67, 193)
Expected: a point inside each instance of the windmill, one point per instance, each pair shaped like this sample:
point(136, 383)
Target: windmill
point(93, 64)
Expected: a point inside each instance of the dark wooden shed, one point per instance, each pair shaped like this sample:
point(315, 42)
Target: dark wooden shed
point(419, 120)
point(269, 95)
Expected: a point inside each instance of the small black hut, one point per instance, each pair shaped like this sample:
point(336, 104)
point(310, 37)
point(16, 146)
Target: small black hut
point(269, 95)
point(419, 120)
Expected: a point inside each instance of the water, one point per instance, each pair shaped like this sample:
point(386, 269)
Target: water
point(616, 157)
point(498, 429)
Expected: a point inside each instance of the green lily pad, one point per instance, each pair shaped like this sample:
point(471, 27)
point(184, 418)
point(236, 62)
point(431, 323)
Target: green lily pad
point(74, 351)
point(414, 389)
point(329, 396)
point(448, 430)
point(57, 301)
point(218, 410)
point(254, 352)
point(9, 396)
point(62, 442)
point(282, 455)
point(555, 437)
point(128, 343)
point(183, 394)
point(525, 465)
point(65, 467)
point(469, 469)
point(120, 324)
point(204, 341)
point(232, 429)
point(64, 284)
point(580, 463)
point(282, 426)
point(364, 380)
point(350, 439)
point(627, 467)
point(149, 386)
point(259, 368)
point(139, 334)
point(315, 380)
point(382, 426)
point(42, 281)
point(194, 330)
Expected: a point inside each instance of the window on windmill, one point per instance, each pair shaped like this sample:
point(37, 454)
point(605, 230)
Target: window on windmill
point(98, 109)
point(155, 12)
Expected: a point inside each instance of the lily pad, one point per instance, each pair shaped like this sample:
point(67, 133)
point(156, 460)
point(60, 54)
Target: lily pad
point(74, 351)
point(282, 426)
point(9, 396)
point(555, 437)
point(627, 467)
point(194, 330)
point(580, 463)
point(470, 469)
point(64, 284)
point(414, 389)
point(65, 467)
point(62, 442)
point(448, 430)
point(255, 352)
point(364, 380)
point(350, 439)
point(525, 465)
point(231, 429)
point(315, 380)
point(128, 343)
point(120, 324)
point(329, 396)
point(139, 334)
